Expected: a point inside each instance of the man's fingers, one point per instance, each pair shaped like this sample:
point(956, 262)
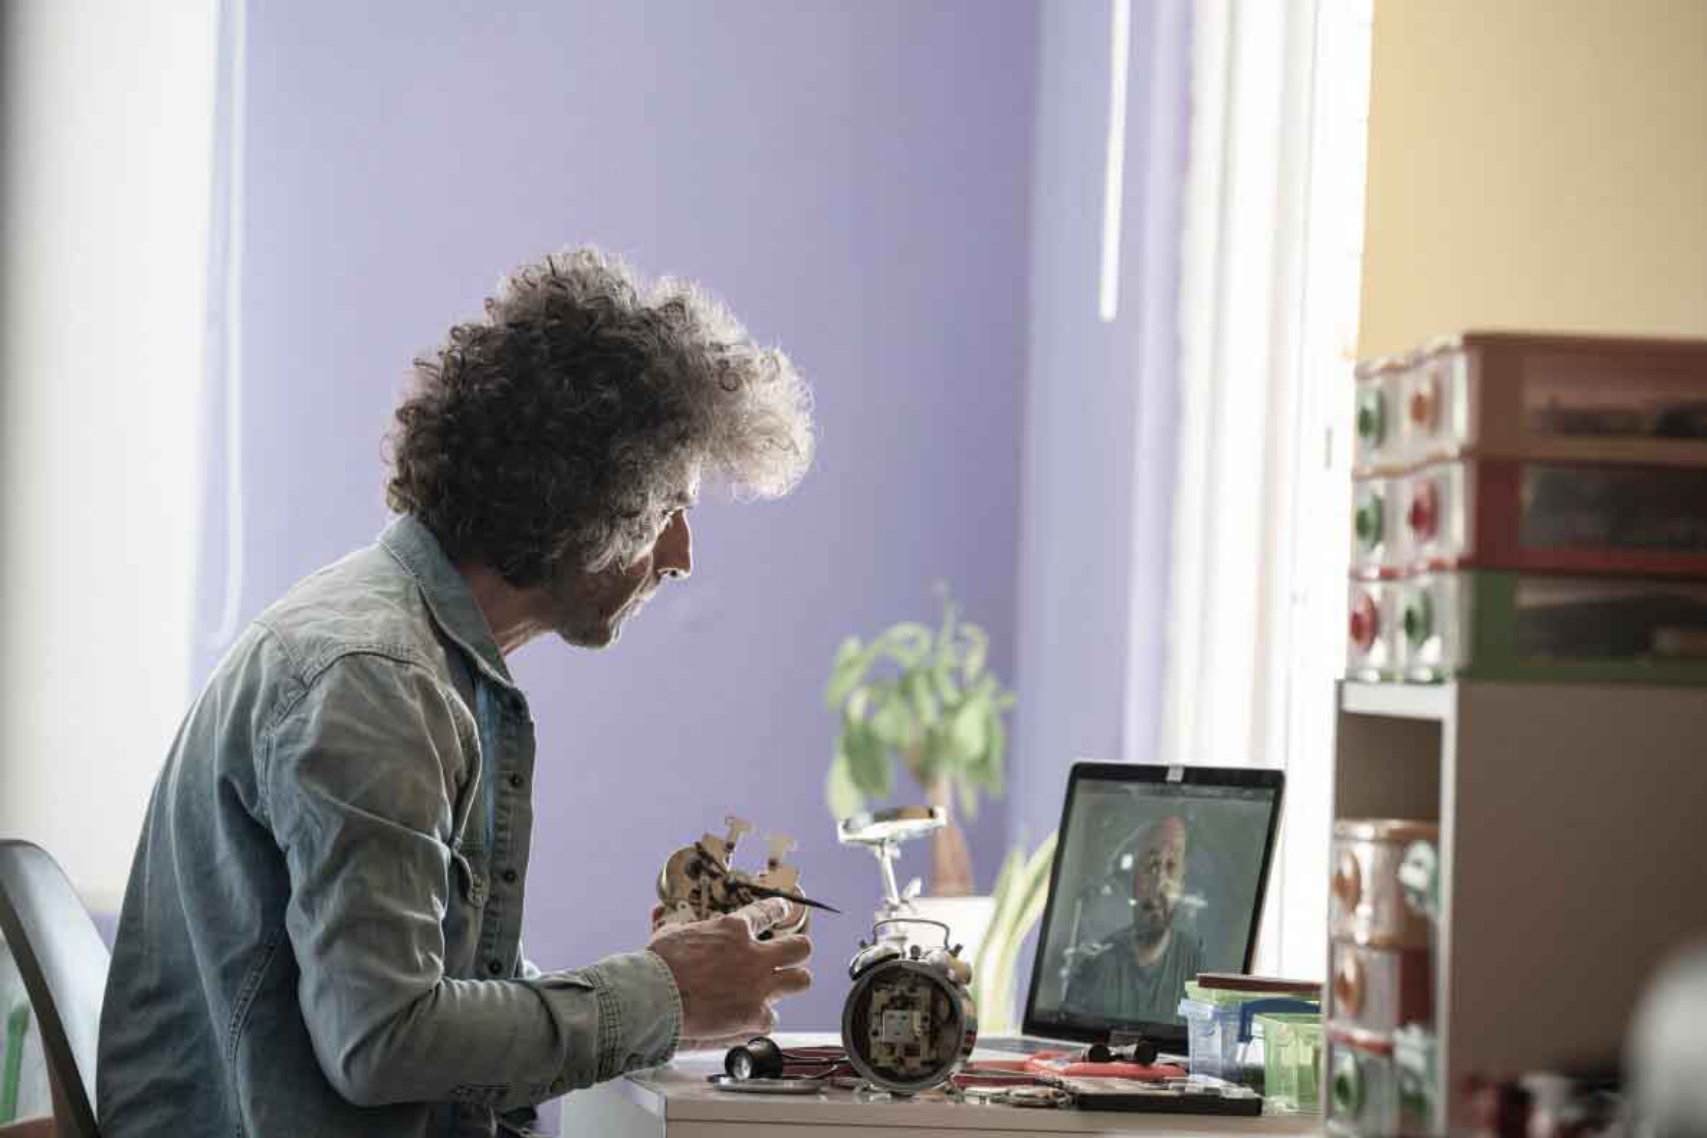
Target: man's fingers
point(790, 982)
point(762, 915)
point(787, 950)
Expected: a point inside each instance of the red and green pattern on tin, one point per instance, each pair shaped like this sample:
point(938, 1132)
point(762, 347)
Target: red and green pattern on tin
point(1543, 517)
point(1374, 627)
point(1493, 624)
point(1537, 396)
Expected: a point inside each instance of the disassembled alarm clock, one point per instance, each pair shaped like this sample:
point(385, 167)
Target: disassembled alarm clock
point(909, 1022)
point(699, 881)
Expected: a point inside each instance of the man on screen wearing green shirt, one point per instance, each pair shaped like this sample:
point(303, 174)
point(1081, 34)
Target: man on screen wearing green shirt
point(1139, 973)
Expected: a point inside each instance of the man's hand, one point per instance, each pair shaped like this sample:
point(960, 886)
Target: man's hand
point(727, 977)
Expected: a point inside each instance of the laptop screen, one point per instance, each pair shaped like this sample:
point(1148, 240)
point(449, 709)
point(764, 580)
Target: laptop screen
point(1159, 875)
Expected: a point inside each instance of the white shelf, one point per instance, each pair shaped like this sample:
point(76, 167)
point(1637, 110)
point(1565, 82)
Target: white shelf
point(1570, 817)
point(1402, 701)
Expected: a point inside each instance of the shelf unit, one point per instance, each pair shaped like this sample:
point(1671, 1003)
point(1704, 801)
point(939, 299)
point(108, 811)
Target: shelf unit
point(1573, 852)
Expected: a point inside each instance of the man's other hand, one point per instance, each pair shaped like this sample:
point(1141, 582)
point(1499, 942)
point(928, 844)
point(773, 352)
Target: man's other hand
point(727, 977)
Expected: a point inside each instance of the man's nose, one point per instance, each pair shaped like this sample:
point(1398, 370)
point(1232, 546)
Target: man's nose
point(674, 556)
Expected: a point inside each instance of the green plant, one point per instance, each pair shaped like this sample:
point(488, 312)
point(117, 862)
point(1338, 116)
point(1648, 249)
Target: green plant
point(923, 697)
point(1021, 890)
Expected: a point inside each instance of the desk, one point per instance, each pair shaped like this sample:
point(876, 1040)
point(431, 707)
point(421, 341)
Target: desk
point(676, 1101)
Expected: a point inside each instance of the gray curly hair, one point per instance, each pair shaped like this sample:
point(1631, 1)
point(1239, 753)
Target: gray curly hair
point(564, 428)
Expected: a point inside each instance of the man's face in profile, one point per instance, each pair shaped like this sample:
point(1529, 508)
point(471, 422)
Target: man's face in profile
point(589, 610)
point(1158, 877)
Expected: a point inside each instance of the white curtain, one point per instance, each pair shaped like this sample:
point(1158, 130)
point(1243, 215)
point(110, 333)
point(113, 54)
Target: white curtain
point(106, 145)
point(1268, 316)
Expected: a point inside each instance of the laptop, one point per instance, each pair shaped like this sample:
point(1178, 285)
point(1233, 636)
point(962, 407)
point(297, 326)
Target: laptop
point(1159, 875)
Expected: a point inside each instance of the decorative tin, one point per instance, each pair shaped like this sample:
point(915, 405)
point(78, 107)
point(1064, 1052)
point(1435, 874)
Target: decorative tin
point(1366, 904)
point(1380, 989)
point(1532, 516)
point(1521, 626)
point(1362, 1092)
point(1516, 395)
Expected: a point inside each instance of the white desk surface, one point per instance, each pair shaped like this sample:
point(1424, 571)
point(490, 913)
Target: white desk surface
point(677, 1099)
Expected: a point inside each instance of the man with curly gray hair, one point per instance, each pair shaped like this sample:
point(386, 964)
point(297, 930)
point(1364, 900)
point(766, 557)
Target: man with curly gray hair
point(321, 932)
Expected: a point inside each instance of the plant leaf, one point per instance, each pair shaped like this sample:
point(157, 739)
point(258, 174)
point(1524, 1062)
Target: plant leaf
point(892, 719)
point(977, 651)
point(933, 760)
point(852, 661)
point(840, 793)
point(1018, 907)
point(994, 766)
point(942, 681)
point(970, 730)
point(868, 764)
point(908, 642)
point(945, 633)
point(917, 686)
point(985, 982)
point(1031, 890)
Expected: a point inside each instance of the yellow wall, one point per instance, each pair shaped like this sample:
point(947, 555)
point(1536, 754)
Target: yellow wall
point(1536, 164)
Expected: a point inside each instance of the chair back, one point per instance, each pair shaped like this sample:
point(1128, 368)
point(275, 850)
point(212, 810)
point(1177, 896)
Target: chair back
point(63, 962)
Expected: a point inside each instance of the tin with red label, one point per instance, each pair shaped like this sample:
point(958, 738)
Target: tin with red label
point(1532, 516)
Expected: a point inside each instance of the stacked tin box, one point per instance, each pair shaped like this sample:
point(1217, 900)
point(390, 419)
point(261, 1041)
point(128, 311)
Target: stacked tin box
point(1380, 1067)
point(1531, 507)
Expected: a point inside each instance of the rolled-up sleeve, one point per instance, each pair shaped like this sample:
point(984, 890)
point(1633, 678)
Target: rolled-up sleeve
point(362, 772)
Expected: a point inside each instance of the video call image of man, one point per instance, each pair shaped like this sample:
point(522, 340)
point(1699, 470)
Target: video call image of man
point(1139, 973)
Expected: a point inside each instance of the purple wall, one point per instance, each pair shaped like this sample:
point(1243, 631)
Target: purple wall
point(1101, 406)
point(852, 177)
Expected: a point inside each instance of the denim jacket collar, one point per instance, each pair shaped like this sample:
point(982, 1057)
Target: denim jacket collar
point(446, 590)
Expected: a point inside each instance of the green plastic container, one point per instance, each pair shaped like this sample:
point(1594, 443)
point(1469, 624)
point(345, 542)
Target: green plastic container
point(1292, 1059)
point(1222, 1040)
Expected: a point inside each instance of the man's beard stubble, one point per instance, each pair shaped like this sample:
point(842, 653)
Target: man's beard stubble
point(1152, 924)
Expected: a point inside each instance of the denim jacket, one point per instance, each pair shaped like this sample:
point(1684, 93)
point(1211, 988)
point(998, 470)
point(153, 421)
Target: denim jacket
point(321, 930)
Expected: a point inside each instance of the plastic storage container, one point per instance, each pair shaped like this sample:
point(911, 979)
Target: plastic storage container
point(1218, 1031)
point(1292, 1059)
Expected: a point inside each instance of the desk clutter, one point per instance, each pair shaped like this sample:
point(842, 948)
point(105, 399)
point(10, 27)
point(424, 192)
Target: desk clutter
point(1530, 507)
point(1082, 1078)
point(1255, 1047)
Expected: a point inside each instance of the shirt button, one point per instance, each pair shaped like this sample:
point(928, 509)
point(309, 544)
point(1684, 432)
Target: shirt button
point(510, 876)
point(495, 966)
point(558, 1086)
point(516, 781)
